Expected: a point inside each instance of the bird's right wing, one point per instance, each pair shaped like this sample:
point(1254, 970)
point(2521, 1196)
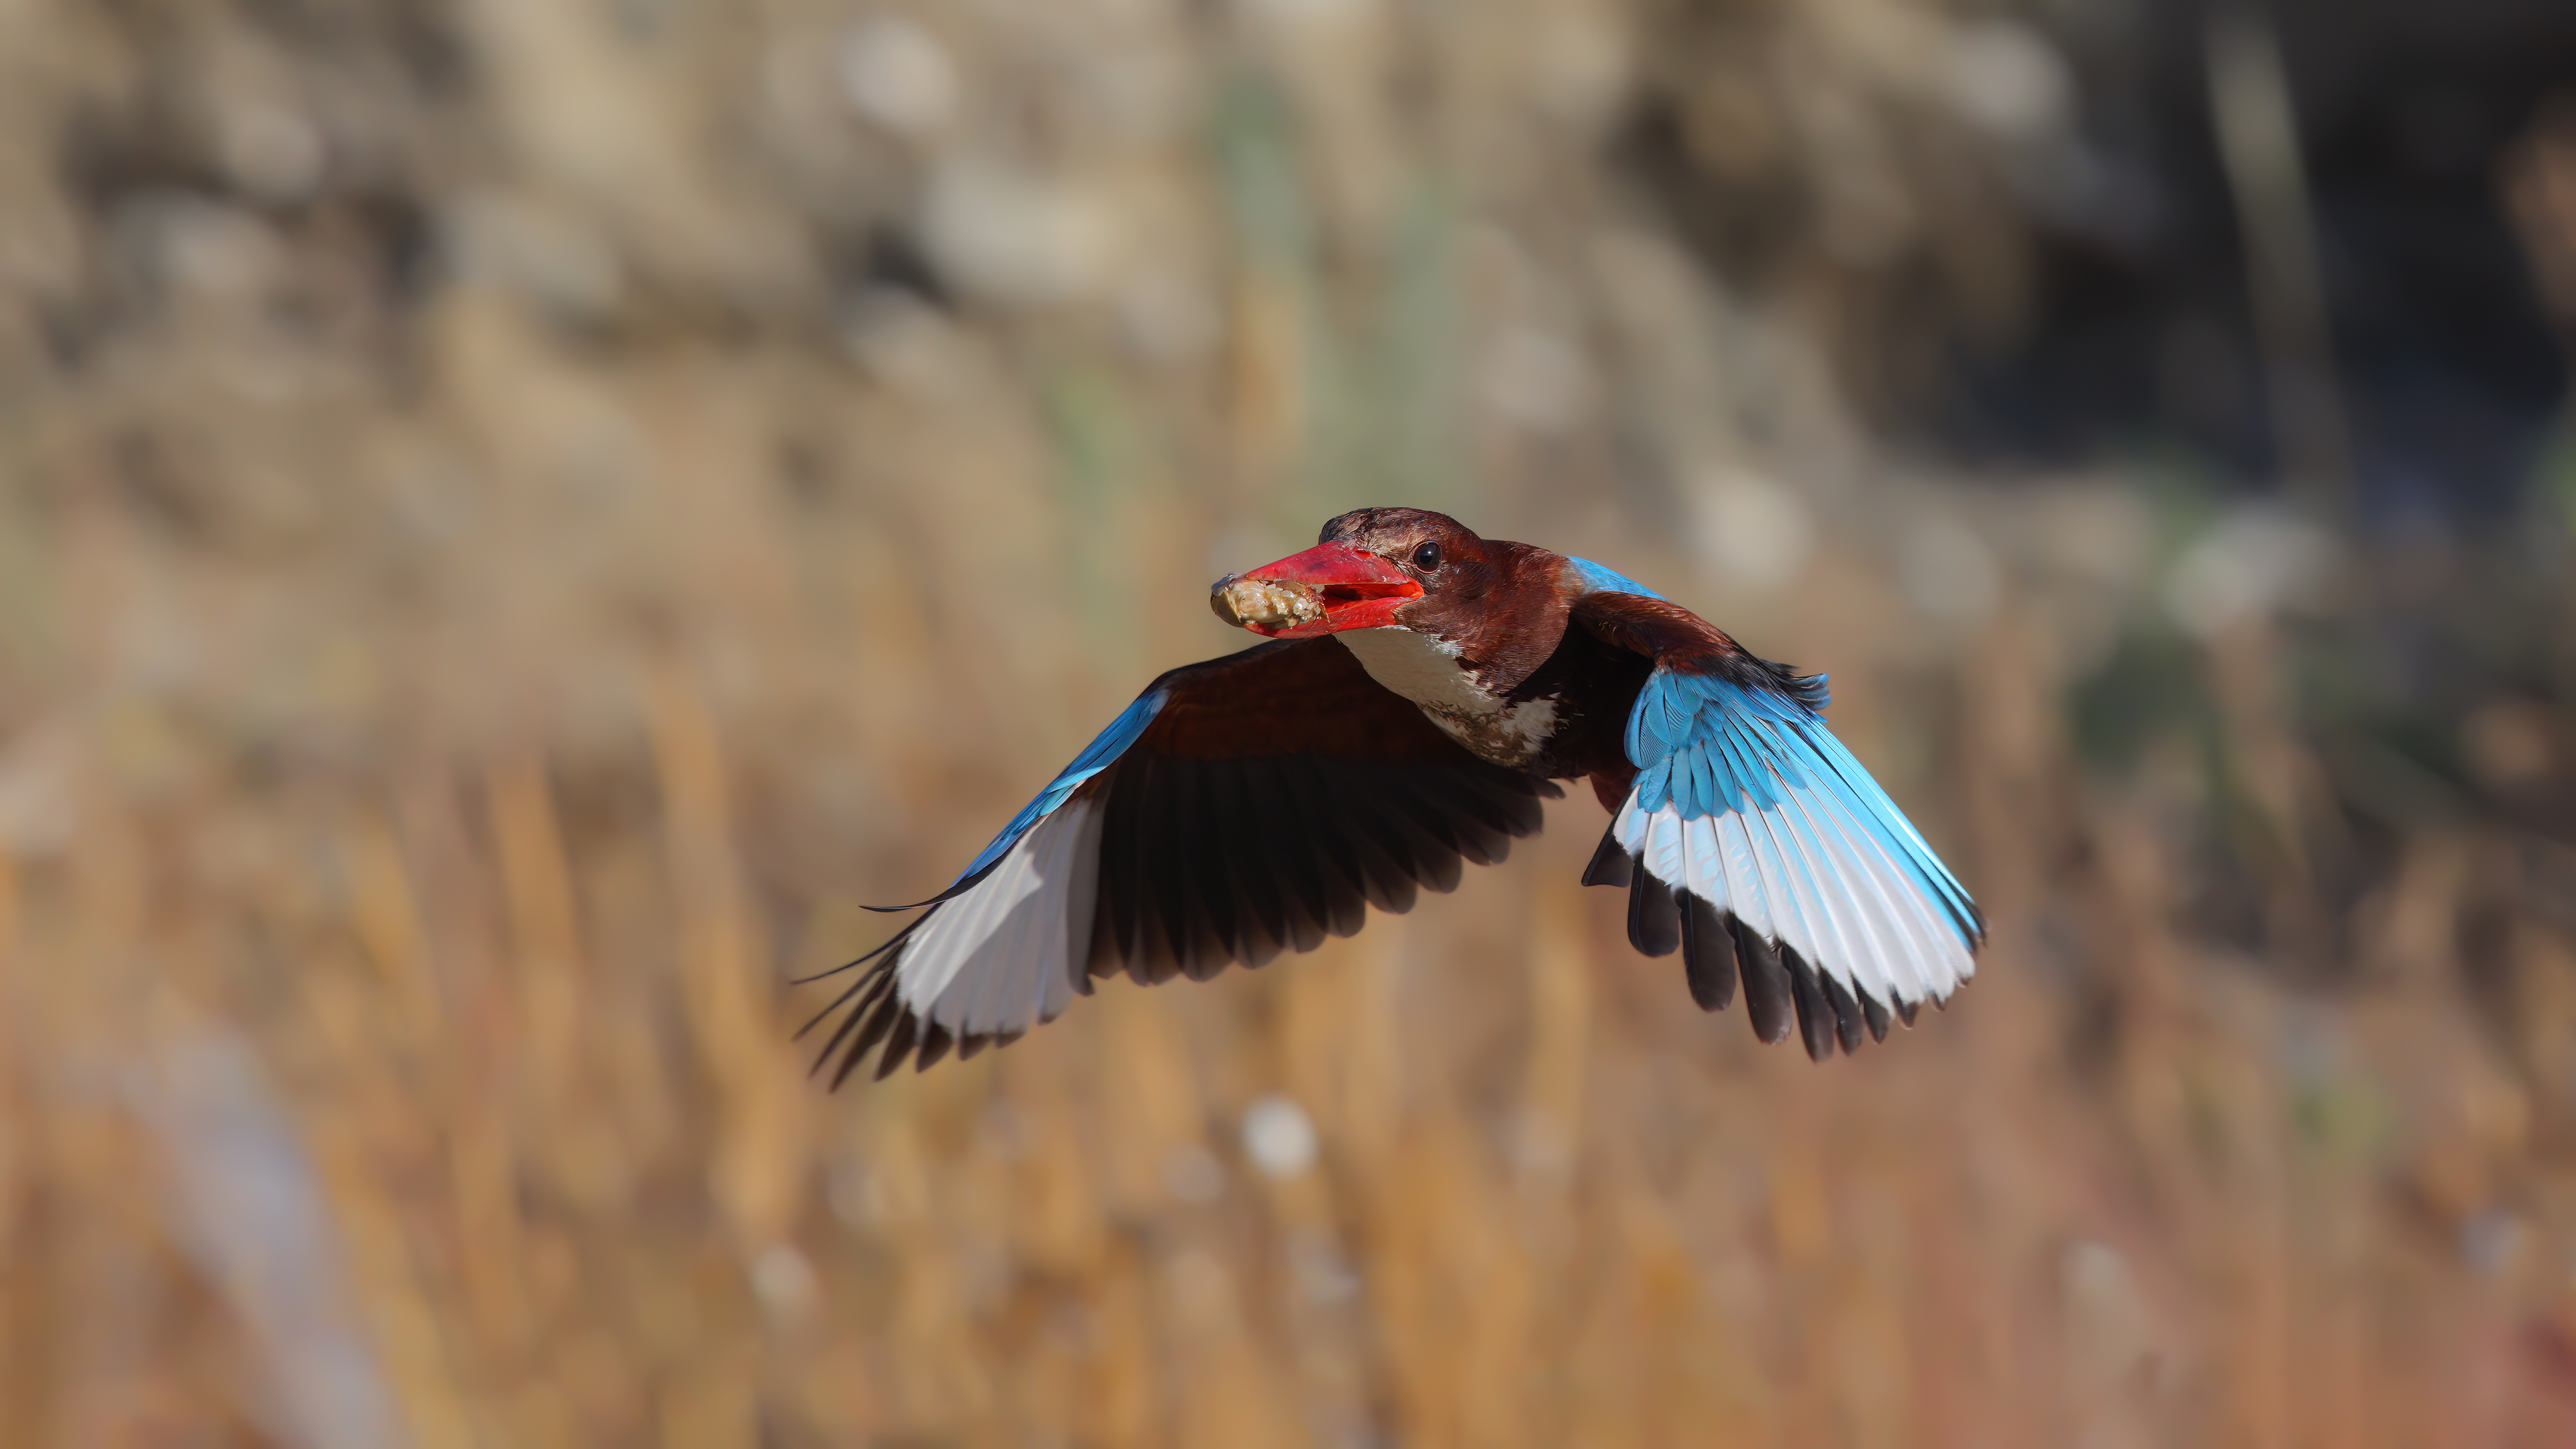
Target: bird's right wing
point(1754, 843)
point(1239, 808)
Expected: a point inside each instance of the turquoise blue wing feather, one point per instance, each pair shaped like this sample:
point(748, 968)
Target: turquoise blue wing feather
point(1711, 745)
point(1768, 833)
point(1099, 755)
point(1592, 578)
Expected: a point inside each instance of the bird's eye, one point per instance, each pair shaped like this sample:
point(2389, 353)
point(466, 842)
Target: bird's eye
point(1427, 557)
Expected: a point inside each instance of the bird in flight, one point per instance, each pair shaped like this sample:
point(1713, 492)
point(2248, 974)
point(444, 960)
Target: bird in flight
point(1420, 691)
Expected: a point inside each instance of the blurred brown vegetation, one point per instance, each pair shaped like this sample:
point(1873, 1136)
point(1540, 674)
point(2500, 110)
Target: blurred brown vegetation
point(515, 517)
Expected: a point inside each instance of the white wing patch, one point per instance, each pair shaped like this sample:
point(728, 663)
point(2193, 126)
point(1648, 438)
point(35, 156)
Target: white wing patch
point(1008, 953)
point(1808, 875)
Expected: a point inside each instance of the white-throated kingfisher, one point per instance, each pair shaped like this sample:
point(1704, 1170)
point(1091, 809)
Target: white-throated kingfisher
point(1421, 689)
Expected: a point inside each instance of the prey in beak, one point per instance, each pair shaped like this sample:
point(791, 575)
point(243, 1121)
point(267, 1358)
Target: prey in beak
point(1325, 590)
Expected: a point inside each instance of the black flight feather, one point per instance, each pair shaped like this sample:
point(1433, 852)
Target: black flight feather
point(1611, 863)
point(1708, 954)
point(1654, 924)
point(1767, 995)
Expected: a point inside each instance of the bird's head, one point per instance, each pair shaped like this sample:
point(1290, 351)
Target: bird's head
point(1370, 569)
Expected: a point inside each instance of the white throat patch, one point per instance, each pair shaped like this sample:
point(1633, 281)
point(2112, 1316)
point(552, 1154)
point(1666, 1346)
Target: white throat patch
point(1426, 671)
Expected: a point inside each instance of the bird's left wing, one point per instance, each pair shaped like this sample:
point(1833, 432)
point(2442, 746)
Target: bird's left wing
point(1239, 808)
point(1754, 843)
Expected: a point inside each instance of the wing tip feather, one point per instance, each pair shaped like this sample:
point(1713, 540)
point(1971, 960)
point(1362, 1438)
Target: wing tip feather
point(1783, 990)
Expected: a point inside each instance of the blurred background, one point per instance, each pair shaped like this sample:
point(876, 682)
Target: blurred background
point(516, 516)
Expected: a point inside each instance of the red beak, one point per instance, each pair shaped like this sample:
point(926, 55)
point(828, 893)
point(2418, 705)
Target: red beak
point(1326, 589)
